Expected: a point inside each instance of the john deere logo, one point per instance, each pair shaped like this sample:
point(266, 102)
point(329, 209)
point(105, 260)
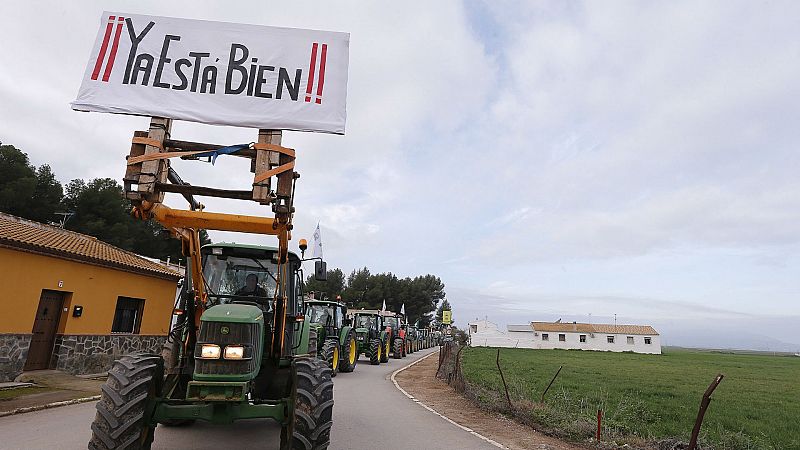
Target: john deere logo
point(225, 330)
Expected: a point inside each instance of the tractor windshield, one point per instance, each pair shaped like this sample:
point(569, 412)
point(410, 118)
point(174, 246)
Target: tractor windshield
point(321, 314)
point(392, 322)
point(230, 278)
point(366, 322)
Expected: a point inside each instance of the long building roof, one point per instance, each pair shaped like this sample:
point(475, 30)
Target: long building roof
point(576, 327)
point(34, 237)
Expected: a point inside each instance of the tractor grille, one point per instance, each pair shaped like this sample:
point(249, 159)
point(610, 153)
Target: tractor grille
point(239, 334)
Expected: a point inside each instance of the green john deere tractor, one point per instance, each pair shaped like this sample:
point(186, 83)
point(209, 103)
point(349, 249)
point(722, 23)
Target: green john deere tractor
point(336, 338)
point(413, 338)
point(240, 350)
point(373, 339)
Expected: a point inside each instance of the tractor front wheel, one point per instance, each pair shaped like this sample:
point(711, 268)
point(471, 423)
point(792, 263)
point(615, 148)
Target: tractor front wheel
point(349, 353)
point(310, 422)
point(375, 348)
point(133, 382)
point(330, 354)
point(398, 349)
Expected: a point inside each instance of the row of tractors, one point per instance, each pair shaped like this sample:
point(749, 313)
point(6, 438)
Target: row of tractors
point(344, 335)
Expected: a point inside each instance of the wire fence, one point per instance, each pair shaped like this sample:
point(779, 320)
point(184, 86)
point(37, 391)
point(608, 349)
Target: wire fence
point(450, 365)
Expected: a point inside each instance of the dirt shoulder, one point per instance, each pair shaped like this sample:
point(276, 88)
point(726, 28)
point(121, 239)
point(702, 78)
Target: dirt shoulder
point(50, 386)
point(421, 382)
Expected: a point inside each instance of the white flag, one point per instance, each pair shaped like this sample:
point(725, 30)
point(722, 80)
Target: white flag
point(317, 243)
point(403, 309)
point(383, 308)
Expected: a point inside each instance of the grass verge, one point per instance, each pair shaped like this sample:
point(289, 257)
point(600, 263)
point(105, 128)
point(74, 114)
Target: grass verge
point(645, 398)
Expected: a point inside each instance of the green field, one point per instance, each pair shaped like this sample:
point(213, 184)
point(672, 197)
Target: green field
point(646, 397)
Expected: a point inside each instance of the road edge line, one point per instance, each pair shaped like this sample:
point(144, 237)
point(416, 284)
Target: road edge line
point(418, 402)
point(28, 409)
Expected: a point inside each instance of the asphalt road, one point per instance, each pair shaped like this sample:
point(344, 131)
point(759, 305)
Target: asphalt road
point(369, 413)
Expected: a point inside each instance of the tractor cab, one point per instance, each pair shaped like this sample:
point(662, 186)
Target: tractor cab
point(329, 316)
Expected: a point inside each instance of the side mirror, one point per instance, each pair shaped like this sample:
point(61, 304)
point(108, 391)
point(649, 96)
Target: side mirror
point(320, 271)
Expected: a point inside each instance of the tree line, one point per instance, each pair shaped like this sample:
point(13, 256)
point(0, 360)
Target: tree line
point(362, 289)
point(96, 207)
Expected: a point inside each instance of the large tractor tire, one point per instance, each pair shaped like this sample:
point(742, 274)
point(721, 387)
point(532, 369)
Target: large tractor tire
point(349, 353)
point(375, 350)
point(310, 423)
point(398, 349)
point(330, 354)
point(121, 421)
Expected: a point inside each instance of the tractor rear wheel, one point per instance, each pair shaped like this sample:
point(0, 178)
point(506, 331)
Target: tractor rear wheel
point(312, 394)
point(349, 353)
point(330, 354)
point(121, 422)
point(398, 349)
point(375, 350)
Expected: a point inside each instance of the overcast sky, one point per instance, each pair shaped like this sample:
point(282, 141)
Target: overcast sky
point(545, 159)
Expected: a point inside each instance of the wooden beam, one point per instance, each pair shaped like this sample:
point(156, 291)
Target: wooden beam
point(156, 170)
point(264, 161)
point(188, 189)
point(132, 172)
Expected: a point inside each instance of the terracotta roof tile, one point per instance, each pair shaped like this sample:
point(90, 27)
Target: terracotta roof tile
point(593, 328)
point(27, 235)
point(624, 329)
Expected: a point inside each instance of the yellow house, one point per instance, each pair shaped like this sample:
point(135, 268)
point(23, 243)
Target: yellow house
point(74, 303)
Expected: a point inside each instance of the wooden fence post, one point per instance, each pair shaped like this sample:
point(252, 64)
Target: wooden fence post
point(508, 399)
point(703, 407)
point(541, 400)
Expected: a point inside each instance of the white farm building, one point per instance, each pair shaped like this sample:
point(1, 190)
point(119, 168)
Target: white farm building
point(571, 336)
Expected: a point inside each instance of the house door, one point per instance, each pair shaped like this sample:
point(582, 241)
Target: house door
point(44, 330)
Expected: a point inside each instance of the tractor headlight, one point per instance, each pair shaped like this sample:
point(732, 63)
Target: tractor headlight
point(234, 352)
point(209, 351)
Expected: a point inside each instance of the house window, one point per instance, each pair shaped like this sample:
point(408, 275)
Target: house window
point(562, 338)
point(610, 339)
point(630, 340)
point(647, 340)
point(545, 336)
point(474, 328)
point(128, 316)
point(583, 338)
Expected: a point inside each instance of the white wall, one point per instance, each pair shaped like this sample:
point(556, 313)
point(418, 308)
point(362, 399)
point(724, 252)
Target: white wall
point(599, 342)
point(494, 338)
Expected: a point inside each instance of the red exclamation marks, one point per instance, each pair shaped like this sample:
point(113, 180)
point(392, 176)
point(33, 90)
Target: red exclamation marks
point(312, 70)
point(102, 55)
point(112, 56)
point(321, 73)
point(312, 66)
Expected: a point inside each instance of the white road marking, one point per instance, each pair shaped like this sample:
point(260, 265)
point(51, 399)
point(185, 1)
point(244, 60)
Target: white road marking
point(468, 430)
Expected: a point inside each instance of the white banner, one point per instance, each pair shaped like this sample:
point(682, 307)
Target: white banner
point(217, 73)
